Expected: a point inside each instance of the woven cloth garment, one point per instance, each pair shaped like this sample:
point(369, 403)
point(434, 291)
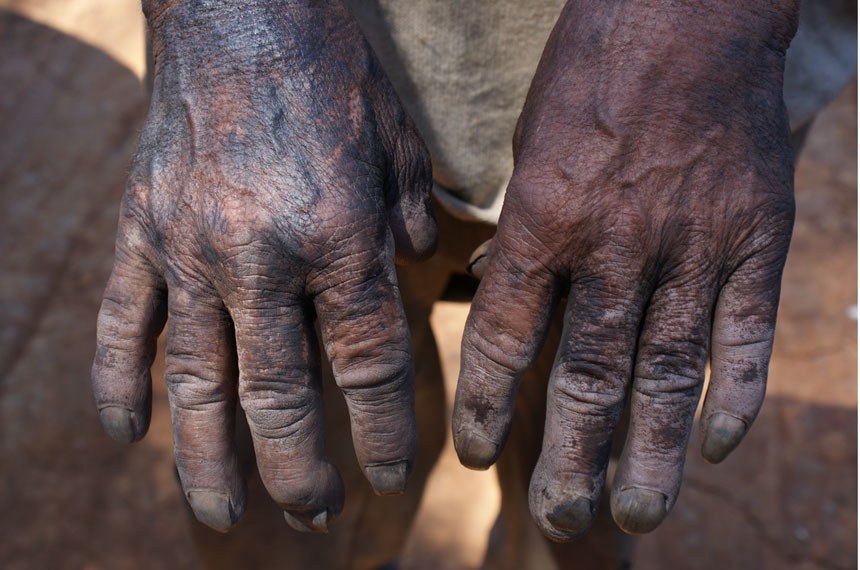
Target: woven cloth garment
point(463, 67)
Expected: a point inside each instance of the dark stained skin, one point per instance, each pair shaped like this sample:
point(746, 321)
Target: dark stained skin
point(653, 188)
point(277, 180)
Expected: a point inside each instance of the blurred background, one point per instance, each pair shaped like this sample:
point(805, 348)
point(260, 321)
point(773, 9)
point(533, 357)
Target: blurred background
point(71, 105)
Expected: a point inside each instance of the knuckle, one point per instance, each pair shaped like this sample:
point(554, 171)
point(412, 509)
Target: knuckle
point(188, 392)
point(673, 348)
point(532, 201)
point(620, 252)
point(671, 370)
point(235, 228)
point(136, 198)
point(136, 233)
point(355, 219)
point(591, 383)
point(142, 214)
point(349, 239)
point(734, 346)
point(374, 377)
point(496, 351)
point(189, 377)
point(191, 390)
point(765, 238)
point(773, 233)
point(276, 413)
point(363, 278)
point(606, 311)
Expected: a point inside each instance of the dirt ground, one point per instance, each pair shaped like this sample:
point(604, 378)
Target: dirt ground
point(71, 104)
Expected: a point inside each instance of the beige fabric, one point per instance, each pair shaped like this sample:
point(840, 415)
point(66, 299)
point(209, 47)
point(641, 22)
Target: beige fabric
point(822, 58)
point(463, 68)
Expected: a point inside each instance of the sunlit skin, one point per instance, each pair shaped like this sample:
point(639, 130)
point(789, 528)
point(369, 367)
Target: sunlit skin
point(279, 180)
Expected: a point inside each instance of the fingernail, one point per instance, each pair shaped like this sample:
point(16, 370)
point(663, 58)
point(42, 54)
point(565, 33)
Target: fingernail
point(213, 509)
point(637, 510)
point(476, 451)
point(118, 423)
point(477, 267)
point(722, 436)
point(571, 515)
point(477, 264)
point(310, 521)
point(388, 478)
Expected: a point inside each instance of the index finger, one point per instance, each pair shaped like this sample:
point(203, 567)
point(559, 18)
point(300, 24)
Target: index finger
point(132, 314)
point(507, 326)
point(366, 338)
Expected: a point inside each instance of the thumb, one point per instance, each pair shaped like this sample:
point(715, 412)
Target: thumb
point(410, 212)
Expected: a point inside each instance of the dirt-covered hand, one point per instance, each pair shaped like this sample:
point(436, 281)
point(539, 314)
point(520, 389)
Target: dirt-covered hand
point(653, 189)
point(277, 179)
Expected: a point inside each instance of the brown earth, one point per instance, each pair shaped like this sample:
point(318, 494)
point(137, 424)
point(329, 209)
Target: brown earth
point(70, 106)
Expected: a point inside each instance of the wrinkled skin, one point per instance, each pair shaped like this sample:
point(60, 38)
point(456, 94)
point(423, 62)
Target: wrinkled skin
point(652, 189)
point(277, 179)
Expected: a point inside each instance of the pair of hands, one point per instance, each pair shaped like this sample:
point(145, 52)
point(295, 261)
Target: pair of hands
point(279, 180)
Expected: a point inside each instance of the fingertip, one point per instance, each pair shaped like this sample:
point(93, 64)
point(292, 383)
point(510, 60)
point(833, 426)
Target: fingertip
point(308, 521)
point(723, 433)
point(415, 240)
point(122, 424)
point(388, 478)
point(214, 509)
point(564, 516)
point(475, 451)
point(310, 497)
point(637, 510)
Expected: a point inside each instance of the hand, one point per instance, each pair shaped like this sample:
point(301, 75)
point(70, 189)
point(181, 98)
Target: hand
point(276, 177)
point(653, 188)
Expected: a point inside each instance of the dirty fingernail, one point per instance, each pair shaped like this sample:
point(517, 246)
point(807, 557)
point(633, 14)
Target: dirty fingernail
point(571, 516)
point(638, 510)
point(475, 451)
point(722, 436)
point(388, 478)
point(213, 509)
point(310, 521)
point(118, 423)
point(477, 264)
